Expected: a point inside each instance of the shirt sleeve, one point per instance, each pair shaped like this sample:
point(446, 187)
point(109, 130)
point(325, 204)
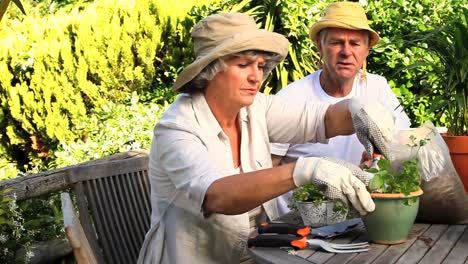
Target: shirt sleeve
point(187, 163)
point(389, 99)
point(279, 149)
point(295, 122)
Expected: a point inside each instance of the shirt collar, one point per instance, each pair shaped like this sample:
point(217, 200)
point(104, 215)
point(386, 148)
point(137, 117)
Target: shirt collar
point(205, 117)
point(203, 114)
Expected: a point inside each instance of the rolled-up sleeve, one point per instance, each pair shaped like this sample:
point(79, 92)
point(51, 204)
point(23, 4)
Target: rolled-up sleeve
point(279, 149)
point(189, 166)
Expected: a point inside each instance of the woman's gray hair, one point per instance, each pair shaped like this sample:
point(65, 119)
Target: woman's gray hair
point(200, 82)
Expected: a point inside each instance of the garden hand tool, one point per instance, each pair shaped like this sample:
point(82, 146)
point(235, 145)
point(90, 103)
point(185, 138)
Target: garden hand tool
point(327, 231)
point(296, 242)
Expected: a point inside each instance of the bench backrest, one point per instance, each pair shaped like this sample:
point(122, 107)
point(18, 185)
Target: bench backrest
point(113, 200)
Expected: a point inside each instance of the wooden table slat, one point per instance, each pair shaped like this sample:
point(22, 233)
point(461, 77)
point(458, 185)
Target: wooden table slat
point(368, 257)
point(417, 250)
point(305, 253)
point(272, 255)
point(444, 244)
point(393, 253)
point(460, 251)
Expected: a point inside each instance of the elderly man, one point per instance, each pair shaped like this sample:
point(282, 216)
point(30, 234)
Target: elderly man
point(343, 38)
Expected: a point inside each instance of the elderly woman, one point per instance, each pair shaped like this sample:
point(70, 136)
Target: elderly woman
point(210, 161)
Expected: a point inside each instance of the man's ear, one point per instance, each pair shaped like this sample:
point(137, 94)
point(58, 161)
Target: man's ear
point(318, 41)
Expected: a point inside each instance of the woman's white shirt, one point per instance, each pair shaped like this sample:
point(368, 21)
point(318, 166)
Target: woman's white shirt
point(190, 151)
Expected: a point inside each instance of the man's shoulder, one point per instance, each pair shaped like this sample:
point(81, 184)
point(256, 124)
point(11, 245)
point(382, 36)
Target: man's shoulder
point(372, 77)
point(299, 87)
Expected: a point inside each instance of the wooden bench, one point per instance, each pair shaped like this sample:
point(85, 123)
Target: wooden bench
point(113, 201)
point(52, 182)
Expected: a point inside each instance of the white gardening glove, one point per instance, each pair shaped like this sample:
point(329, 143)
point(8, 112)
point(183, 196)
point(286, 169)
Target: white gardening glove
point(337, 180)
point(374, 126)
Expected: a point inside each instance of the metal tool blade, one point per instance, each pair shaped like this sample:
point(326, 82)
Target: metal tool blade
point(338, 228)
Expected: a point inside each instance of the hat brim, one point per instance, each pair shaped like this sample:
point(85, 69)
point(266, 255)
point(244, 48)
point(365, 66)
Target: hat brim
point(315, 29)
point(259, 39)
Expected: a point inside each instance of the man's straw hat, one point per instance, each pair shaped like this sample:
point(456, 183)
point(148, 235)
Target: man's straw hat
point(227, 33)
point(347, 15)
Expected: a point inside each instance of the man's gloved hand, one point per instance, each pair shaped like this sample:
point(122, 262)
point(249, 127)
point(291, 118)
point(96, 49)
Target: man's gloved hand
point(338, 180)
point(374, 126)
point(363, 176)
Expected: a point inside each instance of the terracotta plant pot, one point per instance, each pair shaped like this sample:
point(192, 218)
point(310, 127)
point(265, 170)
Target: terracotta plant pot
point(319, 214)
point(392, 220)
point(458, 147)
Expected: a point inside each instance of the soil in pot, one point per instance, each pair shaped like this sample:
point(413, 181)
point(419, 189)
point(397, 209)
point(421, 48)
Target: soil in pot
point(393, 217)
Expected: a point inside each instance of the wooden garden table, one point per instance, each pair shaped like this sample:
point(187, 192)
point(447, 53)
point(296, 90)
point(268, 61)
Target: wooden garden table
point(427, 243)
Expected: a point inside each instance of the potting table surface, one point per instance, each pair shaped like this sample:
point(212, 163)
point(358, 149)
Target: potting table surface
point(427, 243)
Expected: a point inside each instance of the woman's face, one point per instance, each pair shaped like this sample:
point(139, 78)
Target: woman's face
point(239, 83)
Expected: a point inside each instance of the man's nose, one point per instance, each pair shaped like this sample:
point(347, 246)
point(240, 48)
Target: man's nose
point(345, 49)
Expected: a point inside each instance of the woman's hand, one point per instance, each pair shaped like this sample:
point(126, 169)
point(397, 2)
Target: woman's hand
point(342, 181)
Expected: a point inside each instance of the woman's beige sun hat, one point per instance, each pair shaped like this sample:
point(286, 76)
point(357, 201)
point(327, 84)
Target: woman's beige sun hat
point(347, 15)
point(227, 33)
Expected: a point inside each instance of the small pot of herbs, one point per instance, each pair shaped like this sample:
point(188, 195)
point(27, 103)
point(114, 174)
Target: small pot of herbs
point(311, 193)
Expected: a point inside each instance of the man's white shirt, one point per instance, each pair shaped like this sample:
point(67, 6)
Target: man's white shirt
point(375, 89)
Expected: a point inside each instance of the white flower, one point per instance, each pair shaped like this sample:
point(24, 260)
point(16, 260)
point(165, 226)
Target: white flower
point(3, 238)
point(29, 254)
point(12, 206)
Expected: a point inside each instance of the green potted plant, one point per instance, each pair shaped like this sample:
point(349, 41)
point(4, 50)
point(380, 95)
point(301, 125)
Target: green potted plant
point(448, 94)
point(315, 208)
point(396, 195)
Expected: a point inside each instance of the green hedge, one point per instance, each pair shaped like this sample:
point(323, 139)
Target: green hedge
point(60, 70)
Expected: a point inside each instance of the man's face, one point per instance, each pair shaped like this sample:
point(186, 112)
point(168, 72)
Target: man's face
point(343, 52)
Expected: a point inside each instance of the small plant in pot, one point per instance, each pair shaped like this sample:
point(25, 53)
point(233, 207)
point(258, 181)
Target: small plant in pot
point(315, 208)
point(396, 196)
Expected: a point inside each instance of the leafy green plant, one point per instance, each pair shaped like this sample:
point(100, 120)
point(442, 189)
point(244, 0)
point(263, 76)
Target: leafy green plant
point(386, 180)
point(447, 55)
point(406, 180)
point(311, 193)
point(24, 222)
point(397, 21)
point(11, 226)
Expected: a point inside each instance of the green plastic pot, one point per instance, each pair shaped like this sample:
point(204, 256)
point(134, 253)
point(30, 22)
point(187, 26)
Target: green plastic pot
point(392, 219)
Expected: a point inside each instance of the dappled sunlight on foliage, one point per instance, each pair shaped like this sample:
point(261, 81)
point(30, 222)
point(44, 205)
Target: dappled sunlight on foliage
point(114, 128)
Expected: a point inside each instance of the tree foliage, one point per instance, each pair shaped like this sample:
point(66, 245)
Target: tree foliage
point(57, 69)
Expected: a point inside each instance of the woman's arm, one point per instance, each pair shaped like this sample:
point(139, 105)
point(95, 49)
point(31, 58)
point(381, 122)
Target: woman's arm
point(338, 120)
point(231, 194)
